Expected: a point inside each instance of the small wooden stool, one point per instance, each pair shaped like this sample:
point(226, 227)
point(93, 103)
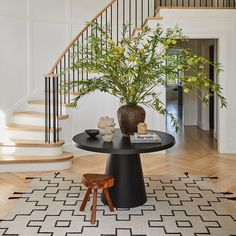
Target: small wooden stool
point(95, 182)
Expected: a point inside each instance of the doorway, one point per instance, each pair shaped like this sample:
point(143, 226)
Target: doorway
point(188, 108)
point(211, 76)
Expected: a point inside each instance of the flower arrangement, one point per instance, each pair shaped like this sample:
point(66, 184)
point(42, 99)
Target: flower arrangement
point(133, 67)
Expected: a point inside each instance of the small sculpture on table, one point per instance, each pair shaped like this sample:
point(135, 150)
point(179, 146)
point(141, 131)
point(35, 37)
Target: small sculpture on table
point(106, 128)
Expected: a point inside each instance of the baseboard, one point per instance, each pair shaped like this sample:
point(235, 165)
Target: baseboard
point(202, 126)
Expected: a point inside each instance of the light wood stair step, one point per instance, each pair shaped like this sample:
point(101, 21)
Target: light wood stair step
point(13, 126)
point(29, 143)
point(16, 159)
point(41, 102)
point(37, 114)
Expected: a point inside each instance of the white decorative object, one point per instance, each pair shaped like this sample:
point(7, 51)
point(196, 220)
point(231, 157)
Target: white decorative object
point(106, 128)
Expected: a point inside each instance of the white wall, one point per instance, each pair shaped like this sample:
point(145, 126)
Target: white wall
point(215, 24)
point(33, 34)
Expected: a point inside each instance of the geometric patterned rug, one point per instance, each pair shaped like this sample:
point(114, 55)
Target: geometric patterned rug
point(176, 206)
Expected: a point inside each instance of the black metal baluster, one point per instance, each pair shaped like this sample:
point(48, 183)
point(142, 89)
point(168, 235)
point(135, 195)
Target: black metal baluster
point(60, 66)
point(78, 58)
point(148, 6)
point(46, 108)
point(136, 14)
point(91, 49)
point(123, 18)
point(106, 28)
point(111, 23)
point(68, 77)
point(54, 108)
point(82, 56)
point(154, 8)
point(130, 12)
point(49, 110)
point(57, 107)
point(87, 51)
point(101, 23)
point(73, 70)
point(64, 80)
point(117, 22)
point(141, 13)
point(96, 21)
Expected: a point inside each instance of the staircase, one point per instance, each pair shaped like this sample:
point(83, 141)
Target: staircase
point(31, 141)
point(22, 145)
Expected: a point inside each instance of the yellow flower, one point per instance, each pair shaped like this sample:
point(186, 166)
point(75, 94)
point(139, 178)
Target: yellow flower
point(180, 67)
point(110, 41)
point(174, 41)
point(132, 91)
point(207, 84)
point(186, 90)
point(123, 78)
point(190, 61)
point(166, 46)
point(192, 79)
point(138, 61)
point(168, 41)
point(131, 58)
point(141, 51)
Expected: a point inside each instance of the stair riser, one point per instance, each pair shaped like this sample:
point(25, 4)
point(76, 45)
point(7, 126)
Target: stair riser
point(29, 120)
point(41, 108)
point(24, 167)
point(38, 136)
point(32, 151)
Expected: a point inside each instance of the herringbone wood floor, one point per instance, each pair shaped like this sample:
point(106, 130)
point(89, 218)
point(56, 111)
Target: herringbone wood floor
point(194, 152)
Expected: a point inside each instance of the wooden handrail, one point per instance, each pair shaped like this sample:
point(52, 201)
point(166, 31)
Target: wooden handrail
point(77, 36)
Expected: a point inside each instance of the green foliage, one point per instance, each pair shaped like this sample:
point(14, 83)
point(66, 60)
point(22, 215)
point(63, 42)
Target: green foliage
point(133, 68)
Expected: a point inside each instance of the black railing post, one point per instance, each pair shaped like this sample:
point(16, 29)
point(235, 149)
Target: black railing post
point(46, 108)
point(54, 129)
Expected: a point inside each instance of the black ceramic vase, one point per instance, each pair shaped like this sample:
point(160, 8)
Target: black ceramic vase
point(129, 116)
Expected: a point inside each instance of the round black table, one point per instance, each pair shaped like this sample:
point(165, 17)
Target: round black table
point(124, 164)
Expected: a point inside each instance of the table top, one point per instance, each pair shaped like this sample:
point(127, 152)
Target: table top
point(122, 145)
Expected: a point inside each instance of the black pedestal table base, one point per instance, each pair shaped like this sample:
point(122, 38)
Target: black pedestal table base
point(129, 190)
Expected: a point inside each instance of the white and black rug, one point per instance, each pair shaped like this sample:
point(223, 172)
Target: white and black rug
point(177, 206)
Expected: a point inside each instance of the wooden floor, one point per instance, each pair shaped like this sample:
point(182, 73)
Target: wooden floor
point(194, 152)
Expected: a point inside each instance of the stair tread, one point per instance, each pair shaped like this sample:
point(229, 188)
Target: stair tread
point(29, 143)
point(40, 102)
point(13, 159)
point(37, 114)
point(13, 126)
